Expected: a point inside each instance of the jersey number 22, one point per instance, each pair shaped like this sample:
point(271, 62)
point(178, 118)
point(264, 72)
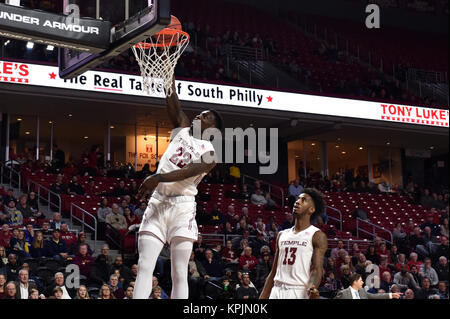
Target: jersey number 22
point(180, 158)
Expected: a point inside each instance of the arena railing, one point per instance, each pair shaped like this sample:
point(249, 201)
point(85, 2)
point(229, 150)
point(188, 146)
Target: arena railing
point(360, 221)
point(50, 195)
point(82, 220)
point(8, 175)
point(339, 220)
point(269, 185)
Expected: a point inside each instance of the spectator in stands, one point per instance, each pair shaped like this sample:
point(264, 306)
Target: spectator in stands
point(46, 232)
point(245, 291)
point(442, 268)
point(9, 197)
point(247, 262)
point(409, 294)
point(15, 217)
point(444, 227)
point(216, 218)
point(5, 236)
point(29, 234)
point(359, 212)
point(228, 229)
point(12, 267)
point(443, 290)
point(400, 238)
point(426, 199)
point(124, 270)
point(75, 188)
point(413, 261)
point(115, 289)
point(258, 198)
point(401, 261)
point(155, 283)
point(83, 260)
point(37, 247)
point(82, 293)
point(425, 291)
point(129, 292)
point(34, 204)
point(115, 219)
point(59, 187)
point(230, 214)
point(24, 208)
point(130, 218)
point(384, 253)
point(404, 280)
point(139, 212)
point(3, 260)
point(427, 271)
point(416, 239)
point(386, 281)
point(56, 247)
point(335, 250)
point(289, 222)
point(228, 253)
point(68, 237)
point(100, 271)
point(199, 248)
point(271, 204)
point(372, 255)
point(435, 228)
point(127, 198)
point(258, 243)
point(23, 285)
point(245, 214)
point(105, 293)
point(2, 286)
point(428, 248)
point(20, 246)
point(56, 221)
point(67, 293)
point(345, 276)
point(59, 158)
point(196, 279)
point(263, 269)
point(294, 191)
point(213, 268)
point(103, 211)
point(442, 249)
point(121, 189)
point(11, 291)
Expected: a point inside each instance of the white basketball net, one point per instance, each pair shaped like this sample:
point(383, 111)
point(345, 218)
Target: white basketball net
point(157, 58)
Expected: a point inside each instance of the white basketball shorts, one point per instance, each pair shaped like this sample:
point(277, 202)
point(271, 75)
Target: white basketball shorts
point(282, 291)
point(167, 217)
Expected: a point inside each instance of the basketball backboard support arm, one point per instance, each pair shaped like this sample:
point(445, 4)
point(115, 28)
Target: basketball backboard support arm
point(124, 35)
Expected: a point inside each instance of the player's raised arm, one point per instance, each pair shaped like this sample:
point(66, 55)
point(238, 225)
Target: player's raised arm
point(320, 244)
point(176, 114)
point(269, 281)
point(192, 169)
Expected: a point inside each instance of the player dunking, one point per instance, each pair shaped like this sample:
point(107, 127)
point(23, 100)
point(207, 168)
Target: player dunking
point(170, 215)
point(298, 266)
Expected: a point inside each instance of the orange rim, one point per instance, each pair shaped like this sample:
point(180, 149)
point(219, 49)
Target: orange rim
point(166, 31)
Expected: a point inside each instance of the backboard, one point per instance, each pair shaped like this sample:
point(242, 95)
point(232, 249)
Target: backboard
point(132, 21)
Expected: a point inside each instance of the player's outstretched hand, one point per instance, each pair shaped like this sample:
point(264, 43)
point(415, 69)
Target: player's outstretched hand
point(148, 185)
point(313, 293)
point(396, 295)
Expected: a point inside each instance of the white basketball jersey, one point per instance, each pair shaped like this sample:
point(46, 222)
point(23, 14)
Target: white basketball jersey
point(294, 256)
point(182, 150)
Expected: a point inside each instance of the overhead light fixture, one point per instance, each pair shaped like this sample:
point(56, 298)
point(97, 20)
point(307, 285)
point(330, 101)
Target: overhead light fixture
point(431, 147)
point(313, 144)
point(6, 43)
point(30, 45)
point(339, 139)
point(388, 143)
point(27, 133)
point(86, 137)
point(112, 126)
point(70, 115)
point(50, 47)
point(343, 152)
point(337, 146)
point(50, 122)
point(19, 119)
point(360, 148)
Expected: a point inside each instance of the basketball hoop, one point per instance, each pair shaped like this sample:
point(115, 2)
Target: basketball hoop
point(158, 55)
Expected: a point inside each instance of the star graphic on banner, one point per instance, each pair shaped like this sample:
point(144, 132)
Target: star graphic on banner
point(269, 99)
point(52, 76)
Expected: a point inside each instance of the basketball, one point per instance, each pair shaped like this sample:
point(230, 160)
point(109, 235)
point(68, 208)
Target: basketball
point(169, 35)
point(174, 23)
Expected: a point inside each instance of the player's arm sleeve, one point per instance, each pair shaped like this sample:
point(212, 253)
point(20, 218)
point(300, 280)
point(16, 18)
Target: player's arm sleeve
point(320, 244)
point(176, 114)
point(269, 281)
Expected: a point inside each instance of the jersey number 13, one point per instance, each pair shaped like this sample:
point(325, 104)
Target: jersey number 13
point(291, 259)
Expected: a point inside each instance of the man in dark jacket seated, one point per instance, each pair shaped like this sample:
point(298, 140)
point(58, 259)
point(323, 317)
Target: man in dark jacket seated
point(55, 247)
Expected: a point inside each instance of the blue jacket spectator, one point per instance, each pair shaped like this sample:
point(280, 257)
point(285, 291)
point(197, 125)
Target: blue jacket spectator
point(55, 247)
point(212, 267)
